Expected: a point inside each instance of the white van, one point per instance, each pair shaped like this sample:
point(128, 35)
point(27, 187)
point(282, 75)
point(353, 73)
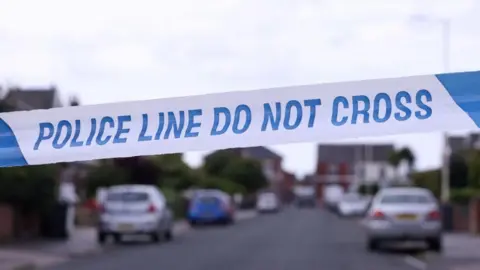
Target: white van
point(332, 195)
point(268, 202)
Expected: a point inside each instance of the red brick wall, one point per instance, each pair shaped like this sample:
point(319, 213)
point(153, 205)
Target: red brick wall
point(6, 222)
point(461, 215)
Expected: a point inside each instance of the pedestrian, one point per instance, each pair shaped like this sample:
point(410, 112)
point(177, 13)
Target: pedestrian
point(67, 195)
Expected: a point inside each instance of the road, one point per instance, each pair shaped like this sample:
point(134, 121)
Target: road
point(293, 239)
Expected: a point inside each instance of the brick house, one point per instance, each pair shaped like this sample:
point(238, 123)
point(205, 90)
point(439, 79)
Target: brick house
point(349, 164)
point(288, 183)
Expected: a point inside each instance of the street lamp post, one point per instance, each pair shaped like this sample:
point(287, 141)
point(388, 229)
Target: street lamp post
point(445, 172)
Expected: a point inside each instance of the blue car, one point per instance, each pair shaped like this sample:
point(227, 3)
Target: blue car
point(211, 207)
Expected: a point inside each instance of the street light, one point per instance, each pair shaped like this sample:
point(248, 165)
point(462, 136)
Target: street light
point(445, 24)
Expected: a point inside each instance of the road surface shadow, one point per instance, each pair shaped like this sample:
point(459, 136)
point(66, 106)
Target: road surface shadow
point(416, 250)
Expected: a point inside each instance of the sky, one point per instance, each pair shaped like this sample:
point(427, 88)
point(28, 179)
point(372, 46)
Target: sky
point(109, 51)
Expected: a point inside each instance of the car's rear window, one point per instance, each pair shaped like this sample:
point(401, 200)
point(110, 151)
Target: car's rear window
point(406, 198)
point(127, 197)
point(207, 199)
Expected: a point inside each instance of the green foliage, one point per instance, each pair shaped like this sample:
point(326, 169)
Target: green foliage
point(463, 195)
point(226, 164)
point(368, 189)
point(459, 171)
point(473, 169)
point(428, 179)
point(404, 154)
point(29, 189)
point(105, 176)
point(177, 203)
point(224, 184)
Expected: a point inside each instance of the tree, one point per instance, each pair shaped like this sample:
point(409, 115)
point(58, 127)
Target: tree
point(74, 101)
point(402, 155)
point(174, 172)
point(217, 161)
point(139, 170)
point(459, 172)
point(405, 154)
point(226, 164)
point(29, 189)
point(428, 179)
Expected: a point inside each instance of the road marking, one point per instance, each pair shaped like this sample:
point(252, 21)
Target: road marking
point(415, 263)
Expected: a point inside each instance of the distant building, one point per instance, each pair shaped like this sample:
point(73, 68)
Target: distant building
point(24, 99)
point(352, 164)
point(461, 143)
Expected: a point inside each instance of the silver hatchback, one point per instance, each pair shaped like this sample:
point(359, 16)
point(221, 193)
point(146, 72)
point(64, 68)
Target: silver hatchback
point(401, 214)
point(135, 210)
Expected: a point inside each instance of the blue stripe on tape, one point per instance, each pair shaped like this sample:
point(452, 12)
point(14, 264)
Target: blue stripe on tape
point(464, 88)
point(10, 153)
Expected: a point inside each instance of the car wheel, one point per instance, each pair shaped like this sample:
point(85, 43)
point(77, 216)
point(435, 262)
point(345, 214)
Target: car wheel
point(168, 235)
point(435, 244)
point(193, 223)
point(101, 238)
point(155, 237)
point(372, 244)
point(117, 238)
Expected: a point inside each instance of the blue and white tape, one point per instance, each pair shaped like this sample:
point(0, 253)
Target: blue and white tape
point(322, 112)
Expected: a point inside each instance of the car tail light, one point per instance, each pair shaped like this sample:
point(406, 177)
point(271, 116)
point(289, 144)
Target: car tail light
point(378, 215)
point(226, 207)
point(152, 208)
point(434, 215)
point(100, 208)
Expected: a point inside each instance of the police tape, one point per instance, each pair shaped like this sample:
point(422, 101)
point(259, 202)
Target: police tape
point(322, 112)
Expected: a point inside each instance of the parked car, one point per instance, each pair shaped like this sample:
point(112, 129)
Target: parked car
point(399, 214)
point(268, 202)
point(305, 196)
point(352, 204)
point(332, 195)
point(211, 206)
point(134, 210)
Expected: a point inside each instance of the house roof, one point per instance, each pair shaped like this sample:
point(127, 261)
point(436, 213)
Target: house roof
point(31, 99)
point(260, 152)
point(350, 153)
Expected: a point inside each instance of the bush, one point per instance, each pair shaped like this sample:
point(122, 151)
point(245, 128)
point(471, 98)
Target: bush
point(428, 179)
point(368, 189)
point(105, 176)
point(28, 189)
point(463, 195)
point(177, 203)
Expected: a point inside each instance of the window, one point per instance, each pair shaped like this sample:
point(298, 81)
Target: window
point(127, 197)
point(406, 198)
point(268, 169)
point(333, 169)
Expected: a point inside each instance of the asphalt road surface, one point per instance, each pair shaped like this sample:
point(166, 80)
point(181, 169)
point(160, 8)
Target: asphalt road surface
point(293, 239)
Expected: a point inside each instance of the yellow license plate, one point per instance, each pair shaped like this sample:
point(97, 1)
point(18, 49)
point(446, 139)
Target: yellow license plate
point(125, 227)
point(407, 217)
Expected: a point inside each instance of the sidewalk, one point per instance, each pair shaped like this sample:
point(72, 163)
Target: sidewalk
point(461, 252)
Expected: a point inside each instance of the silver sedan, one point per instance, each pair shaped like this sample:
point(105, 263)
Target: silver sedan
point(401, 214)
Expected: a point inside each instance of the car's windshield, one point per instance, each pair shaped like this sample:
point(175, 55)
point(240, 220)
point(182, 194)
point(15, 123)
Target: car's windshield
point(406, 199)
point(127, 197)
